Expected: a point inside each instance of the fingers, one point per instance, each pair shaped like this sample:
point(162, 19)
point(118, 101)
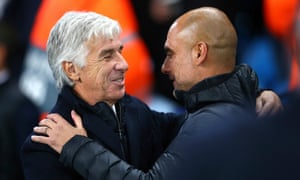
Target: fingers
point(77, 119)
point(78, 123)
point(55, 117)
point(264, 108)
point(56, 121)
point(268, 103)
point(55, 131)
point(40, 139)
point(52, 121)
point(265, 111)
point(41, 130)
point(47, 122)
point(259, 105)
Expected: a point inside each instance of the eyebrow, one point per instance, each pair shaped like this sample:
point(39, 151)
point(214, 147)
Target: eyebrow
point(168, 50)
point(109, 51)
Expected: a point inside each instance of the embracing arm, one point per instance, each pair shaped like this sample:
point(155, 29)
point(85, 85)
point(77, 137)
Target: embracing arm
point(95, 154)
point(93, 161)
point(86, 156)
point(267, 103)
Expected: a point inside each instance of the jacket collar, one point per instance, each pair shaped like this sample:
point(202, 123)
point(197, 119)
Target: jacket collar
point(99, 119)
point(68, 95)
point(235, 87)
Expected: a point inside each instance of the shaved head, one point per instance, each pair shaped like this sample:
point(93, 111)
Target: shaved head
point(200, 44)
point(213, 27)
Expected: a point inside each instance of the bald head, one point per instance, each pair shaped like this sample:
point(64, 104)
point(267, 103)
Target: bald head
point(200, 44)
point(213, 27)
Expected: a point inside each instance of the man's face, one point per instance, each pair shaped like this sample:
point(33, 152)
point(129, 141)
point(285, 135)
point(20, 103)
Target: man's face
point(178, 62)
point(103, 77)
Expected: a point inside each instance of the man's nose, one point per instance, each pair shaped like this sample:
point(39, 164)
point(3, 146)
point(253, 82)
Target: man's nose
point(164, 69)
point(122, 64)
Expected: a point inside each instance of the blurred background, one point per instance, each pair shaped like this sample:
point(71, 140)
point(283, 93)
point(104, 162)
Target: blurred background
point(266, 43)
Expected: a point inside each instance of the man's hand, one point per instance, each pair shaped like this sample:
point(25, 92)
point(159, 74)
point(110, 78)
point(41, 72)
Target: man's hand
point(57, 130)
point(268, 103)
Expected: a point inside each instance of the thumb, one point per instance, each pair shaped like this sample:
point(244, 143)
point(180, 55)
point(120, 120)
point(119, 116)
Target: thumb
point(77, 119)
point(259, 107)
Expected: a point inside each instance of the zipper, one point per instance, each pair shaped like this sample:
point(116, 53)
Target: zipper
point(120, 132)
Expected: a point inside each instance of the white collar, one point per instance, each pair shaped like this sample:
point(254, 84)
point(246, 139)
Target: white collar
point(114, 109)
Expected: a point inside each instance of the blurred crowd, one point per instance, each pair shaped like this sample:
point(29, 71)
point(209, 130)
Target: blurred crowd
point(266, 42)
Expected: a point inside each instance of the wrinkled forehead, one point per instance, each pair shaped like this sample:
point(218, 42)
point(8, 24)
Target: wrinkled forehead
point(111, 45)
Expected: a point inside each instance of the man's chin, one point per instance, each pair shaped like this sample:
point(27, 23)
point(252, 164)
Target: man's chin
point(121, 93)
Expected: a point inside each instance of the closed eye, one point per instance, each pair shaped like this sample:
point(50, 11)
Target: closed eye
point(168, 52)
point(110, 53)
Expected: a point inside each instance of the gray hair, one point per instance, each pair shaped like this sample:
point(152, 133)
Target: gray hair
point(68, 37)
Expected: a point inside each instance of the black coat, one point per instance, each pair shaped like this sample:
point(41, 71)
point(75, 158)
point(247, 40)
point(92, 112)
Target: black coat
point(279, 138)
point(205, 147)
point(142, 135)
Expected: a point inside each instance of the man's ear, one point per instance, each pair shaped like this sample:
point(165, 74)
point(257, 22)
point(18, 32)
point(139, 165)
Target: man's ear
point(199, 52)
point(71, 70)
